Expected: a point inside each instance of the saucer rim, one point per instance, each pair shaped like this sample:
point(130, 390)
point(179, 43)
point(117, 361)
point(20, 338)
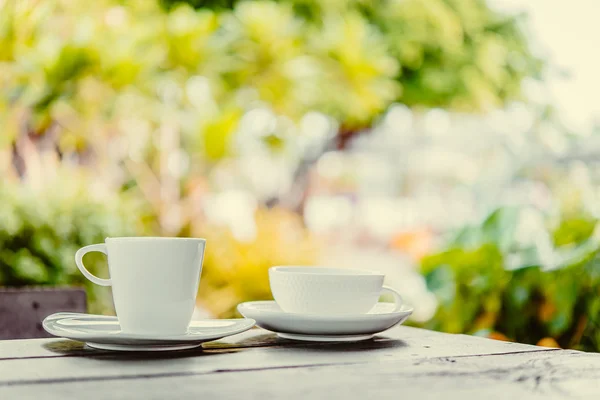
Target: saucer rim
point(405, 309)
point(280, 322)
point(142, 348)
point(49, 325)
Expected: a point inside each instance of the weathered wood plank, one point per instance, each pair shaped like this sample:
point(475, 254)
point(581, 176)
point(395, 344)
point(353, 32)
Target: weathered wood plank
point(23, 310)
point(422, 343)
point(401, 343)
point(534, 375)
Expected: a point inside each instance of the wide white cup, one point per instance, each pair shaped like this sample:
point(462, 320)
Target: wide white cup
point(328, 291)
point(154, 281)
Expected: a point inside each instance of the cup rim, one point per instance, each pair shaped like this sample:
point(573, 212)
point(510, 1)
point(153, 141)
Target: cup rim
point(323, 271)
point(154, 238)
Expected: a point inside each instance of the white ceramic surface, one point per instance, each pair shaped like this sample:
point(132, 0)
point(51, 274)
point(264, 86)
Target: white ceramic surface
point(154, 281)
point(320, 338)
point(268, 315)
point(327, 291)
point(104, 332)
point(124, 347)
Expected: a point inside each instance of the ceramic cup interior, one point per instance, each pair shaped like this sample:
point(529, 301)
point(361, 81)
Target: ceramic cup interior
point(326, 291)
point(154, 281)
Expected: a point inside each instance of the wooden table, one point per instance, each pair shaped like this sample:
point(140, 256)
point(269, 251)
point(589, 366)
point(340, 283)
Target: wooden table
point(402, 363)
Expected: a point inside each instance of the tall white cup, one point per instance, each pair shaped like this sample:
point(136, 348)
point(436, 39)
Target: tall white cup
point(154, 281)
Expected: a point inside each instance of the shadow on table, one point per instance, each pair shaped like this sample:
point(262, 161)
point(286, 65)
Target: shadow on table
point(272, 340)
point(376, 343)
point(72, 348)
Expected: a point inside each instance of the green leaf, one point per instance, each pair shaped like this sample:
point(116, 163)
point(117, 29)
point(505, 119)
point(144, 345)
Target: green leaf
point(499, 228)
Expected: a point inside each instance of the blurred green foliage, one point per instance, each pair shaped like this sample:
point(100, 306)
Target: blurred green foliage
point(98, 80)
point(494, 279)
point(445, 53)
point(40, 231)
point(86, 67)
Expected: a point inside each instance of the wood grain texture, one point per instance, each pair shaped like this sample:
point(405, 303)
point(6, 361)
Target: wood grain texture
point(251, 350)
point(23, 310)
point(402, 362)
point(532, 375)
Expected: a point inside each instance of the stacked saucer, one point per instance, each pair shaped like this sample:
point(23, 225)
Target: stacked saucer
point(326, 305)
point(324, 328)
point(104, 332)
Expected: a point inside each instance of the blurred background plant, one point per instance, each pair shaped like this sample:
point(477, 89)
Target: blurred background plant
point(42, 225)
point(347, 132)
point(498, 279)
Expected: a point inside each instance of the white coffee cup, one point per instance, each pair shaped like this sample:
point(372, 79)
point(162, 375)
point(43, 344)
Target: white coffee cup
point(328, 291)
point(154, 281)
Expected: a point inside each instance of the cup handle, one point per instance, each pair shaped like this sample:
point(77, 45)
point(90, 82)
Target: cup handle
point(101, 248)
point(397, 298)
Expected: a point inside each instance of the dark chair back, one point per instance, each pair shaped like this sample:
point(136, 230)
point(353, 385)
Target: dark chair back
point(22, 310)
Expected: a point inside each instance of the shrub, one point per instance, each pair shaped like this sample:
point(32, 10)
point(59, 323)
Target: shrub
point(545, 284)
point(40, 231)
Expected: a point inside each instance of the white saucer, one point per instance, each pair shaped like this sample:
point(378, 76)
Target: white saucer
point(338, 328)
point(104, 332)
